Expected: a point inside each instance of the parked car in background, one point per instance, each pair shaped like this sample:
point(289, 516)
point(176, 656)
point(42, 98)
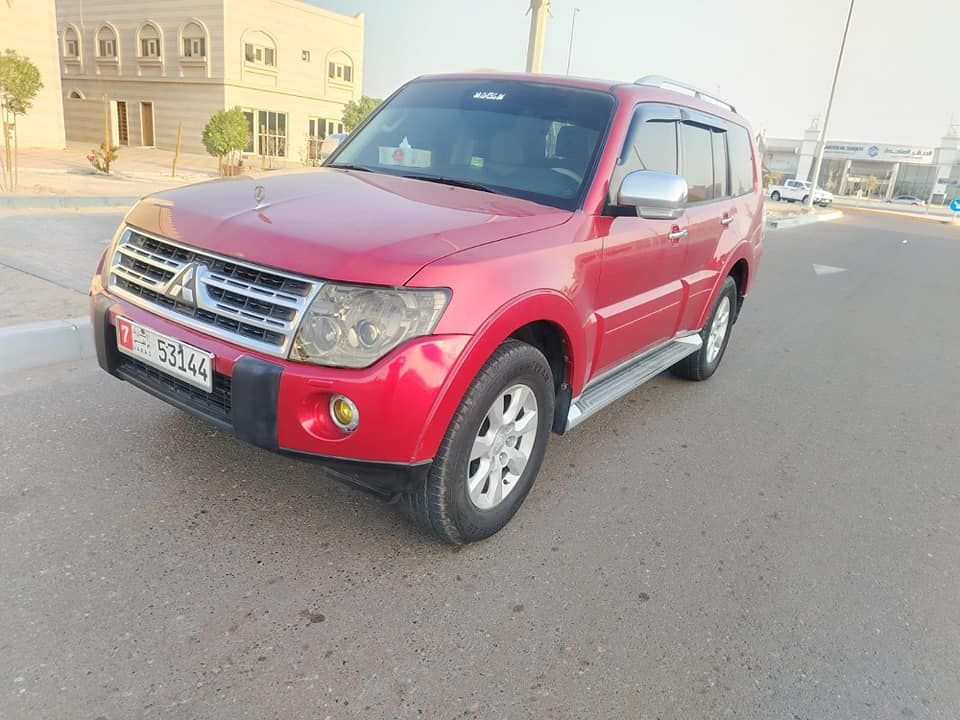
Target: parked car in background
point(907, 200)
point(799, 191)
point(487, 259)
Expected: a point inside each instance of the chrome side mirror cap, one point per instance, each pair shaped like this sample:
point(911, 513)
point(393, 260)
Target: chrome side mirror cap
point(655, 195)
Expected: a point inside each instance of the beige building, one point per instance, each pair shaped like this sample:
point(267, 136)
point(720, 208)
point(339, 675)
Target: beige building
point(291, 66)
point(30, 28)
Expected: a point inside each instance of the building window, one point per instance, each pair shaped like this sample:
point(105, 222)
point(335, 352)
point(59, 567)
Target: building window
point(334, 126)
point(340, 72)
point(195, 47)
point(149, 41)
point(76, 95)
point(106, 43)
point(260, 55)
point(305, 55)
point(266, 133)
point(316, 128)
point(71, 44)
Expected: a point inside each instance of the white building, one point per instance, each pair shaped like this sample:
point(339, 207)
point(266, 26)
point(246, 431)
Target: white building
point(291, 66)
point(30, 28)
point(927, 172)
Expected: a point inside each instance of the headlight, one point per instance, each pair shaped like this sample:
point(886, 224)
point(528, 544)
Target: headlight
point(354, 326)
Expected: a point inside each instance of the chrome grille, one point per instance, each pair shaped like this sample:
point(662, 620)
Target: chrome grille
point(250, 305)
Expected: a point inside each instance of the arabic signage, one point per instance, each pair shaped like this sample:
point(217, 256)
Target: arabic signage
point(885, 153)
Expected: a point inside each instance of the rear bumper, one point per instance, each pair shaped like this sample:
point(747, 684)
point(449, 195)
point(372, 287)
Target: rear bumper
point(282, 406)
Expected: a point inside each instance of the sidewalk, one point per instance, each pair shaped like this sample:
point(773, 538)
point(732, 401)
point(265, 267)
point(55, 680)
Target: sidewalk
point(46, 261)
point(136, 172)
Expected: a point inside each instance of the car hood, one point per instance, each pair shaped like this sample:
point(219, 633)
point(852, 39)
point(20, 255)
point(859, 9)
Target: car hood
point(337, 224)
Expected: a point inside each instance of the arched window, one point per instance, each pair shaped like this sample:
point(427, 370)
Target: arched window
point(71, 43)
point(150, 44)
point(339, 67)
point(77, 95)
point(107, 42)
point(193, 40)
point(259, 49)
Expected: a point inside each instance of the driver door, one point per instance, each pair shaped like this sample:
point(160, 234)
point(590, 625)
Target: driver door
point(641, 293)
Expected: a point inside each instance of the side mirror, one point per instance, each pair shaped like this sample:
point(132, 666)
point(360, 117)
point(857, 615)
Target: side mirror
point(655, 195)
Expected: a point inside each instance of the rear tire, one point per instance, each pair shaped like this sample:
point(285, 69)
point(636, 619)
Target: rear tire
point(715, 335)
point(804, 200)
point(468, 494)
point(775, 196)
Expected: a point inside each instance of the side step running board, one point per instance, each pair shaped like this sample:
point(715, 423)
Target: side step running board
point(629, 377)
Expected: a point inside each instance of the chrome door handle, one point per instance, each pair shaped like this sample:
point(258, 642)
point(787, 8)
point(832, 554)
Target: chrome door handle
point(677, 234)
point(726, 221)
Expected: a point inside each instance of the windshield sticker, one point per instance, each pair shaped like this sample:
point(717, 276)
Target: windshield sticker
point(403, 155)
point(476, 162)
point(488, 96)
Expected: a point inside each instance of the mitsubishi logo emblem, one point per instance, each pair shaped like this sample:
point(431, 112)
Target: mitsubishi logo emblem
point(182, 287)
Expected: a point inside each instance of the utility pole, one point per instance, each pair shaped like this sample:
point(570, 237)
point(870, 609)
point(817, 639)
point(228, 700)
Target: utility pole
point(539, 11)
point(818, 160)
point(573, 27)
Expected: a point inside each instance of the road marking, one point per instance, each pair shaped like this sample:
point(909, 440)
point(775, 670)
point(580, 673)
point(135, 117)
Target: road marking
point(827, 269)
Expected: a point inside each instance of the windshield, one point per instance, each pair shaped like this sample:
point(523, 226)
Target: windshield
point(523, 139)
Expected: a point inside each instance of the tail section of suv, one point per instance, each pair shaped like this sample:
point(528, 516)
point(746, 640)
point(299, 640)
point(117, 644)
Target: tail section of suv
point(487, 259)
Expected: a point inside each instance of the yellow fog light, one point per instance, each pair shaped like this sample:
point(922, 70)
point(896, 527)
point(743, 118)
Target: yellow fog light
point(344, 413)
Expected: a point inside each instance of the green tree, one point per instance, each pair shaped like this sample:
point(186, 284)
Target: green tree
point(355, 111)
point(19, 85)
point(226, 133)
point(871, 184)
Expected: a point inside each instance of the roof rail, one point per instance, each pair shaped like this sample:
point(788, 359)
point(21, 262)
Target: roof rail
point(660, 81)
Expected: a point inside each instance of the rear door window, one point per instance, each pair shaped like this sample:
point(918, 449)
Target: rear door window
point(721, 185)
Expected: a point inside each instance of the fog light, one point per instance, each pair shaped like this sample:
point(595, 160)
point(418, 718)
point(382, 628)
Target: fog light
point(344, 413)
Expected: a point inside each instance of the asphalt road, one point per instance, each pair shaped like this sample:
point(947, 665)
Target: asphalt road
point(778, 542)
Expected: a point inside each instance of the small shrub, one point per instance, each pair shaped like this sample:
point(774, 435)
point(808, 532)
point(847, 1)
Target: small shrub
point(103, 157)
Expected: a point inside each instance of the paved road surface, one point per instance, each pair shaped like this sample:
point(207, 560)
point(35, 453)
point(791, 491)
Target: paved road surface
point(779, 542)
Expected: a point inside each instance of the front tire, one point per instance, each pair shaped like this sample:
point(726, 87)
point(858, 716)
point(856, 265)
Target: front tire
point(775, 196)
point(715, 335)
point(492, 450)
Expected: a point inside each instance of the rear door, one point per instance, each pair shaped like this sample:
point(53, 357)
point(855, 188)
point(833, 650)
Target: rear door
point(710, 212)
point(641, 293)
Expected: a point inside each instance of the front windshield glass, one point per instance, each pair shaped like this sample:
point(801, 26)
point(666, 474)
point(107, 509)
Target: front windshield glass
point(528, 140)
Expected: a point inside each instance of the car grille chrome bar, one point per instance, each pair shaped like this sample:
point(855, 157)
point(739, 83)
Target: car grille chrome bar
point(253, 306)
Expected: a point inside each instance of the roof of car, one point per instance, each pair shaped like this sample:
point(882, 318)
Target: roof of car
point(630, 91)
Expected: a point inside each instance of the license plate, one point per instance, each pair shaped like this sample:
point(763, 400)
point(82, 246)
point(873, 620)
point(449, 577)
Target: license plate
point(165, 353)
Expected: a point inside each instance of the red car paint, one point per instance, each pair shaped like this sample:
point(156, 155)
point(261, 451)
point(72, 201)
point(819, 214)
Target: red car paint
point(612, 285)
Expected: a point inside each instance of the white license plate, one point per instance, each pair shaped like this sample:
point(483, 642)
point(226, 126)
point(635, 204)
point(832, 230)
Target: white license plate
point(165, 353)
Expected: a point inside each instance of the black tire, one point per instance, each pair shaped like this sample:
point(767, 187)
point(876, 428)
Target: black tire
point(804, 199)
point(441, 506)
point(775, 196)
point(696, 366)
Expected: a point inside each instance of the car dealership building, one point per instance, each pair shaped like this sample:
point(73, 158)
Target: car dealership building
point(930, 173)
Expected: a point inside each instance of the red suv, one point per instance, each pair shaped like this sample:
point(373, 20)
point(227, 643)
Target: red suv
point(487, 259)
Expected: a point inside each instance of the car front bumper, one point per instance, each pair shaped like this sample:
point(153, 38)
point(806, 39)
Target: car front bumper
point(283, 406)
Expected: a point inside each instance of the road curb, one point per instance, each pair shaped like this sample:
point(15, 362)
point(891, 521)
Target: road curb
point(64, 202)
point(798, 220)
point(936, 219)
point(45, 343)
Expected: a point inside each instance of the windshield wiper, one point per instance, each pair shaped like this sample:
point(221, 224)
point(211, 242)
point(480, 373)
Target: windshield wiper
point(348, 166)
point(452, 181)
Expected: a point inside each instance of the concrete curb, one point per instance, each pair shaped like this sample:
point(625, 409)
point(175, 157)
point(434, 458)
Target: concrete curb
point(45, 343)
point(798, 220)
point(64, 202)
point(937, 219)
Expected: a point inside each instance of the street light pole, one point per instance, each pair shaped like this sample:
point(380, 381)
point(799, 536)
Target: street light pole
point(826, 119)
point(573, 26)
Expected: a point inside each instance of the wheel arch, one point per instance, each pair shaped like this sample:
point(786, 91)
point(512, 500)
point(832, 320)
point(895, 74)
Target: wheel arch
point(544, 318)
point(738, 267)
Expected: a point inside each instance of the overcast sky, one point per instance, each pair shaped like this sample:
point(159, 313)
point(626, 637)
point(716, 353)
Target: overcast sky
point(774, 60)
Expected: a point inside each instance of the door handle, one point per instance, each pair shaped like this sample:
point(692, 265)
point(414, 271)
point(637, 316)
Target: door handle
point(677, 234)
point(726, 221)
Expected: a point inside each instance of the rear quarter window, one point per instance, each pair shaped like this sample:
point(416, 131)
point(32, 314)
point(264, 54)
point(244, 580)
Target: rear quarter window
point(740, 152)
